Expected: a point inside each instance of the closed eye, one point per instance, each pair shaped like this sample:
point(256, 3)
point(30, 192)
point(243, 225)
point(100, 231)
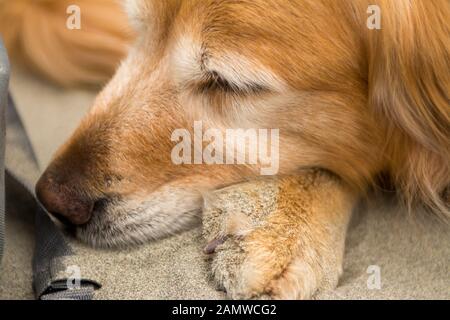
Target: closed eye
point(213, 82)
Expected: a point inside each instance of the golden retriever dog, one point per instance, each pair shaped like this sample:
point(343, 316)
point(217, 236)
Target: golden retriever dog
point(353, 101)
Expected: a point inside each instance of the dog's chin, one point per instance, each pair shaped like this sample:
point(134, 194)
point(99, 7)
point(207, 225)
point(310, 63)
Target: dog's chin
point(127, 223)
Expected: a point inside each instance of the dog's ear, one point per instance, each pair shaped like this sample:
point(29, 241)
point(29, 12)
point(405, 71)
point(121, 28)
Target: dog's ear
point(409, 86)
point(151, 18)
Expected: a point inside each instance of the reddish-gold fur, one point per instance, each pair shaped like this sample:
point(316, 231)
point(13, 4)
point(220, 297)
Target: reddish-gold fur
point(354, 101)
point(324, 50)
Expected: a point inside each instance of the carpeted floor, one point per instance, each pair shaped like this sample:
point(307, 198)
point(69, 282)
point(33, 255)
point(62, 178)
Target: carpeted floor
point(413, 255)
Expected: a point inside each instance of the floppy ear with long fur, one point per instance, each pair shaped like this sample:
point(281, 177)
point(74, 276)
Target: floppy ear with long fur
point(409, 87)
point(35, 33)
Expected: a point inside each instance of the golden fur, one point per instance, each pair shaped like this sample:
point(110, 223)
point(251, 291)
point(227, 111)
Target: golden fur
point(405, 65)
point(353, 101)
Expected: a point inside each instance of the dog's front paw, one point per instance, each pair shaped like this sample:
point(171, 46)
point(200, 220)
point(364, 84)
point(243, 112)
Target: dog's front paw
point(281, 239)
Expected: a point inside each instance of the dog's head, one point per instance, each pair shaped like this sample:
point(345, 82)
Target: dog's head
point(301, 67)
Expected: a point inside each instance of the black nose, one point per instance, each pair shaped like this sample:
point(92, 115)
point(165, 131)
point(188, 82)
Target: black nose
point(62, 201)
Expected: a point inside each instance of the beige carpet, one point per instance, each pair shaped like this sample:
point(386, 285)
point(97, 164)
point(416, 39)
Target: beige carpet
point(413, 256)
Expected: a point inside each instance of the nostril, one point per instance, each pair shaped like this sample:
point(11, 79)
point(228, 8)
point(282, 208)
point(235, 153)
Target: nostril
point(73, 216)
point(63, 202)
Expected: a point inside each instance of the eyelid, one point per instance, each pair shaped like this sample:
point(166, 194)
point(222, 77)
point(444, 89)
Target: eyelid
point(213, 81)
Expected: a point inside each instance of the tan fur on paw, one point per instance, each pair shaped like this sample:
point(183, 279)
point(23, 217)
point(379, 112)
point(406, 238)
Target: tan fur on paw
point(279, 238)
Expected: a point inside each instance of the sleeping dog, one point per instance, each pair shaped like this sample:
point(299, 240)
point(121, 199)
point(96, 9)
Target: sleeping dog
point(354, 101)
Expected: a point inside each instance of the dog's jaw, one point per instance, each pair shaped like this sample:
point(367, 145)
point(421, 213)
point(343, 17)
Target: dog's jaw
point(129, 222)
